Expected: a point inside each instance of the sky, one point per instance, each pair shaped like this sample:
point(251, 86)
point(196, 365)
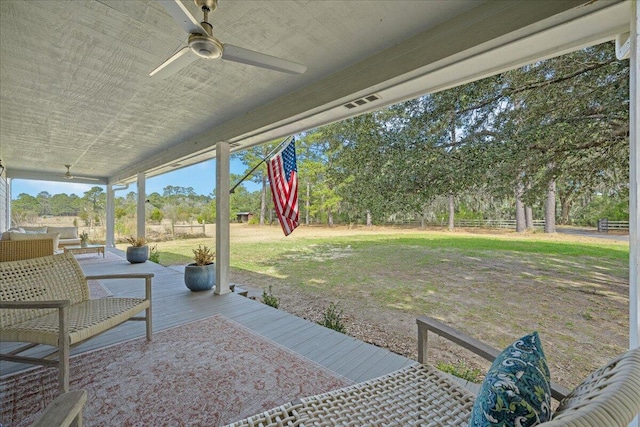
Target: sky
point(202, 177)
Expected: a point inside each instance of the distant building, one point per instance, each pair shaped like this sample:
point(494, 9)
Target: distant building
point(244, 216)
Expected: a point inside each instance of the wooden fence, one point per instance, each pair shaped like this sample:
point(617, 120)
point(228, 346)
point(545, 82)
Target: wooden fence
point(605, 225)
point(188, 229)
point(494, 223)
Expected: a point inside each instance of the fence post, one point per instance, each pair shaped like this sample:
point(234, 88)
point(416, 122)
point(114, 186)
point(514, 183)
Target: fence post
point(603, 224)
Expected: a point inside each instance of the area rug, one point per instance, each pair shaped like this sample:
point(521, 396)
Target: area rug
point(98, 290)
point(206, 373)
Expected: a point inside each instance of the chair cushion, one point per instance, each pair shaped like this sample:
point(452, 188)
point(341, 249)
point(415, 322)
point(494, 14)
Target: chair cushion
point(34, 229)
point(65, 232)
point(7, 234)
point(517, 389)
point(38, 236)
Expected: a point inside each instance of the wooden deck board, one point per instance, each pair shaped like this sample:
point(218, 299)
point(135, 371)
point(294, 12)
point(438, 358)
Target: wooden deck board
point(174, 305)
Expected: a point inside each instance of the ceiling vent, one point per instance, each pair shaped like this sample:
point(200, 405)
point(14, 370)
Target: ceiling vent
point(361, 101)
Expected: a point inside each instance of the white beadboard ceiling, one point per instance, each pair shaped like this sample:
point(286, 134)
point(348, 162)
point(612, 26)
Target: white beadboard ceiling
point(75, 89)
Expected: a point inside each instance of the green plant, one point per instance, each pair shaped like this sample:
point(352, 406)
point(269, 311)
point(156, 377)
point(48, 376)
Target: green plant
point(269, 299)
point(84, 237)
point(203, 255)
point(154, 255)
point(460, 370)
point(136, 241)
point(332, 318)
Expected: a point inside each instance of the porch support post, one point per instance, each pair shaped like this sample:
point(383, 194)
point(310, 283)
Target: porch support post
point(8, 202)
point(111, 216)
point(140, 215)
point(634, 178)
point(222, 218)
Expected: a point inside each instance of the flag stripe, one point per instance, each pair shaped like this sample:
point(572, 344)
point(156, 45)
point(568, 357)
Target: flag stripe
point(283, 179)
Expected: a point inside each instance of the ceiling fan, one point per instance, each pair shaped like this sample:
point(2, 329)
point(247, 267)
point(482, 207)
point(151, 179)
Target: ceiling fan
point(202, 44)
point(68, 175)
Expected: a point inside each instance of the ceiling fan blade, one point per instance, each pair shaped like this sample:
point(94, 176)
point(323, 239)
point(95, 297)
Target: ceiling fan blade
point(178, 60)
point(251, 57)
point(181, 14)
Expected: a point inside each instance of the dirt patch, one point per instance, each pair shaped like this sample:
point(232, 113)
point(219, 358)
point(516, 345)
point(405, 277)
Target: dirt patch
point(578, 304)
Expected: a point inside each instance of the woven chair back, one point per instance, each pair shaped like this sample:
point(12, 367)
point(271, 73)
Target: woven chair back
point(54, 277)
point(609, 396)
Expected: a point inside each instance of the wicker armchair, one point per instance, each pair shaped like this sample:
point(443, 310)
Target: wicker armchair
point(46, 301)
point(64, 411)
point(420, 395)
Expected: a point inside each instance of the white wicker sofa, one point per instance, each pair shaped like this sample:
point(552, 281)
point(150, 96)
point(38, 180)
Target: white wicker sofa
point(420, 395)
point(62, 236)
point(46, 301)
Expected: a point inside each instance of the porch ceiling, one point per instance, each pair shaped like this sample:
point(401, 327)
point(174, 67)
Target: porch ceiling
point(75, 89)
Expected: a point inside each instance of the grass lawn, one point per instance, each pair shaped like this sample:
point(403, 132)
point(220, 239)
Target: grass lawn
point(495, 287)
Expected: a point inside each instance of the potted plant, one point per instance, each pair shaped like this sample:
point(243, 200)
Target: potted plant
point(138, 252)
point(201, 274)
point(84, 239)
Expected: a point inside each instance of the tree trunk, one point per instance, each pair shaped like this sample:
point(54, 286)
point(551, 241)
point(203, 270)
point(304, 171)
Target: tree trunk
point(452, 207)
point(263, 199)
point(528, 213)
point(565, 209)
point(307, 204)
point(369, 223)
point(330, 218)
point(451, 201)
point(520, 220)
point(528, 217)
point(550, 208)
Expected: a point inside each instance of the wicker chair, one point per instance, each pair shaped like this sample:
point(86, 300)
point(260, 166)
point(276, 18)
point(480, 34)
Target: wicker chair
point(46, 301)
point(64, 411)
point(420, 395)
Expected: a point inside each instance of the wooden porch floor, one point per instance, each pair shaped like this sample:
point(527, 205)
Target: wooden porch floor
point(174, 304)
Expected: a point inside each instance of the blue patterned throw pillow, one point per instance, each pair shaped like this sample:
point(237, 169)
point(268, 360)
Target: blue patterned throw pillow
point(516, 391)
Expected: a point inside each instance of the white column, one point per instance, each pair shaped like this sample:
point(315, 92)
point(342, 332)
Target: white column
point(222, 218)
point(634, 178)
point(634, 175)
point(111, 216)
point(142, 197)
point(8, 202)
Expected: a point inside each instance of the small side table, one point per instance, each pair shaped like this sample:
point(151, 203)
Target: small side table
point(99, 249)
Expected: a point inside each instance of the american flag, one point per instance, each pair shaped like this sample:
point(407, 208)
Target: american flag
point(283, 178)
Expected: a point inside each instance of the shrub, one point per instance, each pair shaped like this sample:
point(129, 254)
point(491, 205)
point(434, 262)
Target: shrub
point(332, 318)
point(269, 299)
point(154, 255)
point(460, 370)
point(137, 242)
point(203, 255)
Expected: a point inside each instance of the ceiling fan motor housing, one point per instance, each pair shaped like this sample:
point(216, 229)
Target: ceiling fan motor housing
point(205, 46)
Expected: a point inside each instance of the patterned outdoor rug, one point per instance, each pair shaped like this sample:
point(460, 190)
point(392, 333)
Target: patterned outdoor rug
point(98, 290)
point(207, 373)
